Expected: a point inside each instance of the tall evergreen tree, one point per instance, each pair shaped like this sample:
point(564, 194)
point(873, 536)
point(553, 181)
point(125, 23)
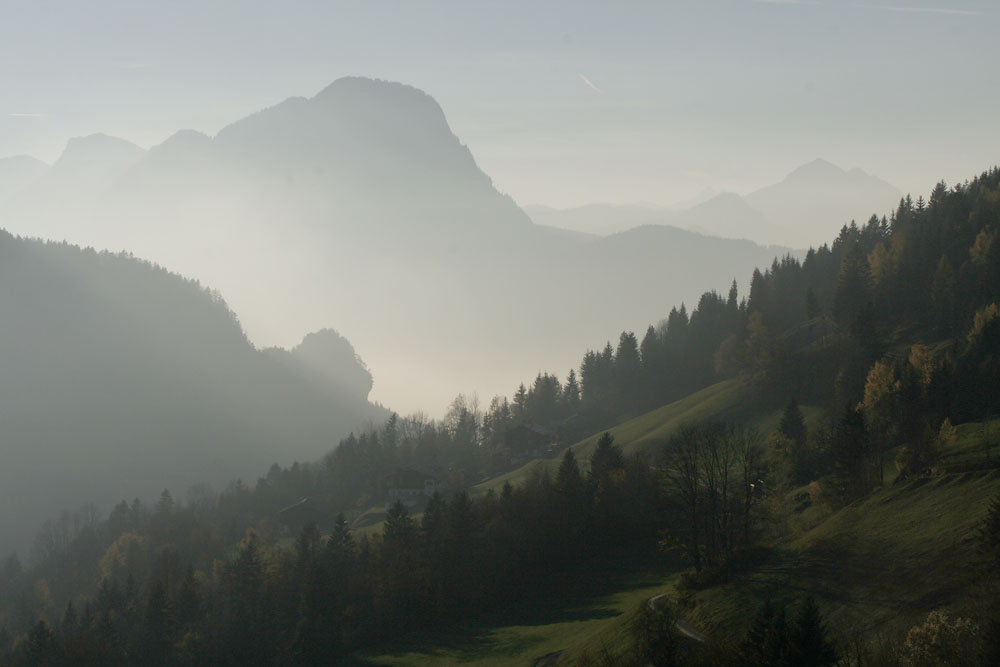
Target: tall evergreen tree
point(793, 424)
point(808, 643)
point(606, 458)
point(569, 482)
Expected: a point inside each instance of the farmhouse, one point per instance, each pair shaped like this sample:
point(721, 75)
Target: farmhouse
point(411, 487)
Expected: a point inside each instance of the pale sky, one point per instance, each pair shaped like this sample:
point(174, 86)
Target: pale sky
point(562, 103)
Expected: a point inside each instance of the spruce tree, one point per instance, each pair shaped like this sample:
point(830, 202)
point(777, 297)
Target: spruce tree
point(606, 458)
point(568, 479)
point(808, 644)
point(40, 647)
point(766, 641)
point(793, 424)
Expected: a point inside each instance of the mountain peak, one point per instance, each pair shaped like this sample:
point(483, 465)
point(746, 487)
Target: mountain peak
point(99, 148)
point(816, 170)
point(185, 138)
point(23, 161)
point(379, 101)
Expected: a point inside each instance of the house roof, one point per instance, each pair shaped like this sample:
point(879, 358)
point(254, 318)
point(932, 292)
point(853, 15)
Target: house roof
point(408, 478)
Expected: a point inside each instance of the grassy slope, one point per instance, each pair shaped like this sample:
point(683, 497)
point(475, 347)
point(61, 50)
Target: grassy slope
point(592, 621)
point(641, 433)
point(881, 563)
point(729, 399)
point(598, 598)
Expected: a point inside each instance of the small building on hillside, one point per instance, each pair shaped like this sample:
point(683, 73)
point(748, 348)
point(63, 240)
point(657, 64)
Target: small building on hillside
point(411, 487)
point(528, 441)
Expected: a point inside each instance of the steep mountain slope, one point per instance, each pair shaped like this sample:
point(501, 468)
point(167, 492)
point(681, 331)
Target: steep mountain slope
point(359, 206)
point(820, 197)
point(119, 378)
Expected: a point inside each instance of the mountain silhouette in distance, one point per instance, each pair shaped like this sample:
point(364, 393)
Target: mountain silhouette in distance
point(359, 208)
point(817, 199)
point(805, 209)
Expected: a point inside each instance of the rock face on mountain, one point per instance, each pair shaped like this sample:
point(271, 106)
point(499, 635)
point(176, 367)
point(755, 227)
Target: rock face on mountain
point(119, 378)
point(360, 208)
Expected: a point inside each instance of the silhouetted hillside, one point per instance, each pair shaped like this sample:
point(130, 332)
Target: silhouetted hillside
point(120, 378)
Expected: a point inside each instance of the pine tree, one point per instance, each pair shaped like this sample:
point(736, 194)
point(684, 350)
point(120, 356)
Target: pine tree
point(341, 542)
point(157, 625)
point(850, 450)
point(766, 641)
point(70, 621)
point(398, 527)
point(40, 647)
point(520, 399)
point(432, 523)
point(306, 548)
point(165, 505)
point(606, 458)
point(808, 644)
point(188, 602)
point(568, 479)
point(812, 311)
point(571, 393)
point(793, 424)
point(853, 286)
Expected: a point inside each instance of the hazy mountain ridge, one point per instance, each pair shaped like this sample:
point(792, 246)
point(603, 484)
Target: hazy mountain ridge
point(120, 378)
point(799, 211)
point(820, 196)
point(360, 207)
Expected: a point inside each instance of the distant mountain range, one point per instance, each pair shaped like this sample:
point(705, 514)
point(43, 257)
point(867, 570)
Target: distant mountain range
point(805, 209)
point(359, 208)
point(118, 379)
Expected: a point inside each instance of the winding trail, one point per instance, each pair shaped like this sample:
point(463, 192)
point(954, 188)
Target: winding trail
point(680, 624)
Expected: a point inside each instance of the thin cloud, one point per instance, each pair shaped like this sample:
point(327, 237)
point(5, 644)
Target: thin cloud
point(590, 83)
point(28, 115)
point(924, 10)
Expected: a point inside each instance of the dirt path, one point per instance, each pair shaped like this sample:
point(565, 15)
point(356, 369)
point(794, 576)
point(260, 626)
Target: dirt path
point(680, 625)
point(548, 660)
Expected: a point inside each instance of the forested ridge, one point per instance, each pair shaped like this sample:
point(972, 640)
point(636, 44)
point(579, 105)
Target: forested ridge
point(894, 329)
point(118, 373)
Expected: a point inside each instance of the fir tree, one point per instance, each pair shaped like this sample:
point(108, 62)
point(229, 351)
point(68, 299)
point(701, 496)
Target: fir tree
point(808, 644)
point(606, 458)
point(40, 647)
point(568, 479)
point(793, 424)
